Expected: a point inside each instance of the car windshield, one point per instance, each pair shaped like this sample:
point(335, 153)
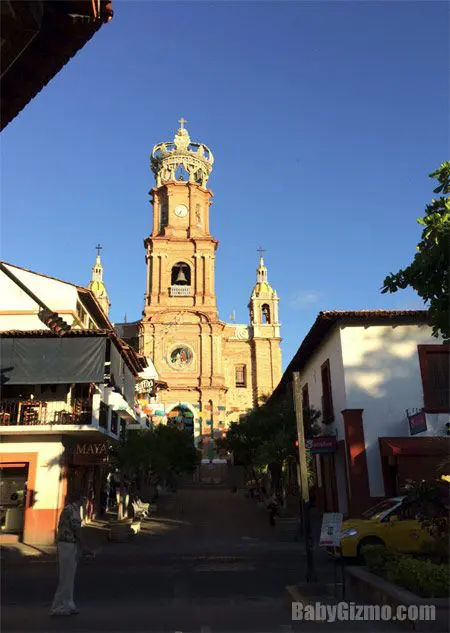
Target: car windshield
point(380, 509)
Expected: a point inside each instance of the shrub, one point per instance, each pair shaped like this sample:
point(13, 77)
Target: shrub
point(421, 577)
point(375, 557)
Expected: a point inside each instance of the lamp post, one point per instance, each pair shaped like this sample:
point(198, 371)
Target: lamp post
point(304, 487)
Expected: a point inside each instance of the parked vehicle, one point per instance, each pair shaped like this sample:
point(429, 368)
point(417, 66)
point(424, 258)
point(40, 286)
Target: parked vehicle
point(392, 523)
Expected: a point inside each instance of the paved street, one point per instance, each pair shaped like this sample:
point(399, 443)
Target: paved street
point(207, 561)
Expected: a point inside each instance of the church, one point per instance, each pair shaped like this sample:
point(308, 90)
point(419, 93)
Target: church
point(213, 371)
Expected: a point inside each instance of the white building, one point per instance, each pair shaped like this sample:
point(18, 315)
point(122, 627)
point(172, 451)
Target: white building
point(64, 400)
point(381, 382)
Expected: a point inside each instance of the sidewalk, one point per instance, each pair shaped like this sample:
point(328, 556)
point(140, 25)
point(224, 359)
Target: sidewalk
point(95, 538)
point(188, 521)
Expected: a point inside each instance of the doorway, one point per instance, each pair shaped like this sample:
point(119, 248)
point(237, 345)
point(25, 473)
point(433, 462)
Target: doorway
point(13, 495)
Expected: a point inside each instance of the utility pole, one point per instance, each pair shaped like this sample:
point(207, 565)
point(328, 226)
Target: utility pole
point(304, 487)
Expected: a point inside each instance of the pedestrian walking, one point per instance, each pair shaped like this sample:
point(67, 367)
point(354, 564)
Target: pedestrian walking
point(69, 545)
point(273, 507)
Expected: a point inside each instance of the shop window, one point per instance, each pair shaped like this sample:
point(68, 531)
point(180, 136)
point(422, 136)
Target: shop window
point(305, 400)
point(114, 422)
point(103, 416)
point(435, 369)
point(305, 396)
point(327, 396)
point(241, 375)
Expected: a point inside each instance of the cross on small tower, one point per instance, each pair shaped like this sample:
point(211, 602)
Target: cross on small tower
point(98, 249)
point(261, 250)
point(182, 121)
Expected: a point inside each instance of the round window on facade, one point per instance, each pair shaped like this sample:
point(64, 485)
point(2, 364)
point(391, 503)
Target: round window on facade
point(181, 357)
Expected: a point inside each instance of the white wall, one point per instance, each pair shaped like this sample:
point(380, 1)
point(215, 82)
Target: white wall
point(382, 376)
point(330, 350)
point(57, 295)
point(48, 485)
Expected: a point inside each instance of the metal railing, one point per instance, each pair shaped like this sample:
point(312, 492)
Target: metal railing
point(34, 412)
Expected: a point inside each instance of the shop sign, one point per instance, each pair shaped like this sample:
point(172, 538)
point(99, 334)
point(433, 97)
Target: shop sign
point(417, 423)
point(321, 445)
point(145, 386)
point(90, 453)
point(330, 533)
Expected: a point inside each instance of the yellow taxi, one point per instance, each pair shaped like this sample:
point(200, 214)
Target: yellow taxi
point(391, 523)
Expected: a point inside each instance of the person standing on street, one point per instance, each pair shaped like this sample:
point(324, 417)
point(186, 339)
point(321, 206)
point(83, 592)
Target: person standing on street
point(69, 545)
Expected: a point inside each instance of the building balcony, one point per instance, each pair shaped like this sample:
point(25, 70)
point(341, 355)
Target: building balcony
point(181, 291)
point(37, 412)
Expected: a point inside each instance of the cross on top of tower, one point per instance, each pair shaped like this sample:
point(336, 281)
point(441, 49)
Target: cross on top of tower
point(261, 251)
point(182, 121)
point(98, 248)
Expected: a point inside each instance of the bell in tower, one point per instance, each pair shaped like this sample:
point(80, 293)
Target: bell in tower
point(181, 275)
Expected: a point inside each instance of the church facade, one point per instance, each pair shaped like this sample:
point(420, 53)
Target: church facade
point(214, 371)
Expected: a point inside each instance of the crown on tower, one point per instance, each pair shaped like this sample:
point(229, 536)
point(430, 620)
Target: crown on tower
point(195, 158)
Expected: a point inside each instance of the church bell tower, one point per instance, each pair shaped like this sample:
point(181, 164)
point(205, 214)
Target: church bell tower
point(214, 372)
point(180, 329)
point(180, 251)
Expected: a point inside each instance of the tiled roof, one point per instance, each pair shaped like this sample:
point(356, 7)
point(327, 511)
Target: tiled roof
point(54, 33)
point(326, 321)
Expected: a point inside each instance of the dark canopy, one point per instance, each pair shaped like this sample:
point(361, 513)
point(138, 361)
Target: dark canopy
point(42, 360)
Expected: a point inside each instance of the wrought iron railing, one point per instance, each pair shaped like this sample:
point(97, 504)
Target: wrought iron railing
point(33, 412)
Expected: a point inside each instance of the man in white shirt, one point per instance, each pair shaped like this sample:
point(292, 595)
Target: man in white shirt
point(69, 545)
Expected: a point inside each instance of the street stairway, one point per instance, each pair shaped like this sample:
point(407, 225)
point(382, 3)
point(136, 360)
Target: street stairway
point(206, 561)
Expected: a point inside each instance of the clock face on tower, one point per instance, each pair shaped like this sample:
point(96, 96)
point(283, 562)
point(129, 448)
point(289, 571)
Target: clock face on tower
point(181, 211)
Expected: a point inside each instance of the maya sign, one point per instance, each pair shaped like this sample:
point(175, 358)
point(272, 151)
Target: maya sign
point(92, 453)
point(321, 444)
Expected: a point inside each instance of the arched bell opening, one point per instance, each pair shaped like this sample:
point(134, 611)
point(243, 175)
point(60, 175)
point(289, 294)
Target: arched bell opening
point(265, 314)
point(181, 174)
point(181, 274)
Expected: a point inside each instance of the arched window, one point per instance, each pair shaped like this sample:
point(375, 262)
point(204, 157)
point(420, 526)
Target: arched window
point(181, 274)
point(265, 314)
point(181, 174)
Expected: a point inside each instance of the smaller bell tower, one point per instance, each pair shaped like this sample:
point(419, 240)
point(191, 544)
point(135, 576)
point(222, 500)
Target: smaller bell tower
point(97, 286)
point(263, 304)
point(265, 325)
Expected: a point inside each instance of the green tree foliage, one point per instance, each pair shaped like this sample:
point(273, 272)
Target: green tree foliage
point(266, 437)
point(428, 273)
point(432, 502)
point(153, 454)
point(173, 451)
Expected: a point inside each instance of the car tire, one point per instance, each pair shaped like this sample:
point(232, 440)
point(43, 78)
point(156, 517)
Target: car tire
point(369, 540)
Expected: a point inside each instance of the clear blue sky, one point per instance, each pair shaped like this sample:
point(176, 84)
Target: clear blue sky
point(325, 119)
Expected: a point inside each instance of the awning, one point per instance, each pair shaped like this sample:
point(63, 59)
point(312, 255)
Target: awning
point(42, 360)
point(392, 446)
point(119, 404)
